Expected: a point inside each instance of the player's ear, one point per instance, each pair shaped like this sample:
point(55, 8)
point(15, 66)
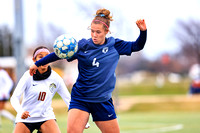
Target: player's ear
point(106, 31)
point(34, 60)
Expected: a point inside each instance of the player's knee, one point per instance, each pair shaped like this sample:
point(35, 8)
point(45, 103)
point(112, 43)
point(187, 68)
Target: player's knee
point(73, 128)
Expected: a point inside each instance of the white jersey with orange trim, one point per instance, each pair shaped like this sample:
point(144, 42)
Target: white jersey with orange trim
point(37, 97)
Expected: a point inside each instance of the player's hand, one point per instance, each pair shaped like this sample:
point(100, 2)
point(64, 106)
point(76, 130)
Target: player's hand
point(32, 69)
point(25, 115)
point(141, 24)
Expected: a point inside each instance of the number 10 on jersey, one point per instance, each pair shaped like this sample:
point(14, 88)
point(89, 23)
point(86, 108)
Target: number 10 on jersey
point(41, 96)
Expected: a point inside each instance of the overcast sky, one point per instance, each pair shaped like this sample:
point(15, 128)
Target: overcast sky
point(160, 16)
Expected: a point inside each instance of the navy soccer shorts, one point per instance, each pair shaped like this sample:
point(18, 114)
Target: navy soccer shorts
point(103, 111)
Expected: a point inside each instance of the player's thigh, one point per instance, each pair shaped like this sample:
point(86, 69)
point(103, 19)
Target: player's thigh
point(110, 126)
point(21, 128)
point(50, 126)
point(77, 119)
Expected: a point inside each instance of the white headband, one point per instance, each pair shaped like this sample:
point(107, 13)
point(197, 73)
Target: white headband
point(41, 50)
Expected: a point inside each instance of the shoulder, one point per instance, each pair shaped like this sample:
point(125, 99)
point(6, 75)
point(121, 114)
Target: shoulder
point(83, 40)
point(113, 40)
point(27, 74)
point(26, 77)
point(110, 38)
point(109, 41)
point(55, 75)
point(83, 43)
point(117, 40)
point(56, 78)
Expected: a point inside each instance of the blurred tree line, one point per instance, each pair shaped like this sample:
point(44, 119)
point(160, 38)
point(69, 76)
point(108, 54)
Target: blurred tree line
point(6, 48)
point(187, 33)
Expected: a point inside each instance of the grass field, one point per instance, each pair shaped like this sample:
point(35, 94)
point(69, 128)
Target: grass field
point(148, 87)
point(151, 122)
point(141, 108)
point(138, 122)
point(158, 116)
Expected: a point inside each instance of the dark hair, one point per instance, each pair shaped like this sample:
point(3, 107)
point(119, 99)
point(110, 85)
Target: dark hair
point(103, 15)
point(40, 47)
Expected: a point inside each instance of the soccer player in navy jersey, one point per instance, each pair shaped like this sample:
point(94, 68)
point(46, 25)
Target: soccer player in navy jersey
point(97, 60)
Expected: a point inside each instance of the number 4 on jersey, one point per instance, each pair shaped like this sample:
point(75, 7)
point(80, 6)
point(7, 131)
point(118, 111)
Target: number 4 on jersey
point(94, 63)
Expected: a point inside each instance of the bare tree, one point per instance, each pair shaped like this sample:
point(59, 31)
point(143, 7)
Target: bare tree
point(188, 34)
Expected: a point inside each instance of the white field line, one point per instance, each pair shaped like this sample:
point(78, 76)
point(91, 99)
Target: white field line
point(157, 130)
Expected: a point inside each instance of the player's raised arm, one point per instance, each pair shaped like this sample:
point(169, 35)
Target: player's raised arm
point(64, 48)
point(45, 60)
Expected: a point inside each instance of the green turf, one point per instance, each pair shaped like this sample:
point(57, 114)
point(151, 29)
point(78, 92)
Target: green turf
point(173, 122)
point(149, 122)
point(6, 126)
point(163, 117)
point(138, 122)
point(149, 88)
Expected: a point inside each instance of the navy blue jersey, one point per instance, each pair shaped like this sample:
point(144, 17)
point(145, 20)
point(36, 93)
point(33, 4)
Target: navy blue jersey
point(96, 65)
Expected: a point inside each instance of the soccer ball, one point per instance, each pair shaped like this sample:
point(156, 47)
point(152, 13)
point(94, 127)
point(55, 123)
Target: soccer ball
point(65, 46)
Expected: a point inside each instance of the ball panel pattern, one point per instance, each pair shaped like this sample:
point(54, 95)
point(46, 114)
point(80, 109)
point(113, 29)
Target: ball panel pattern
point(65, 46)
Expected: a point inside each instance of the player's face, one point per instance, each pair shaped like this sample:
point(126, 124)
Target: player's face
point(38, 57)
point(98, 33)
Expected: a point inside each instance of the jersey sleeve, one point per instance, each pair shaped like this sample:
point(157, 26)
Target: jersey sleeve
point(127, 47)
point(72, 58)
point(63, 92)
point(47, 59)
point(15, 98)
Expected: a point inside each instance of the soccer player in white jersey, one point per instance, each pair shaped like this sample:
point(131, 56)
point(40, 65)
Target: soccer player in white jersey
point(35, 111)
point(6, 85)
